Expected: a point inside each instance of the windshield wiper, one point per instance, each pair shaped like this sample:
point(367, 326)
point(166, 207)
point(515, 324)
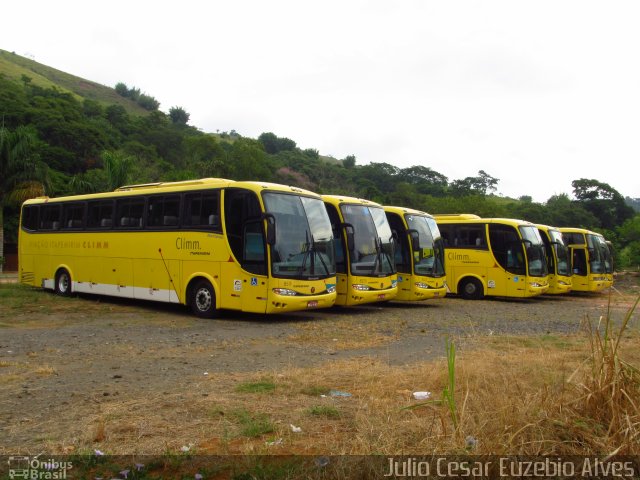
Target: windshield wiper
point(310, 250)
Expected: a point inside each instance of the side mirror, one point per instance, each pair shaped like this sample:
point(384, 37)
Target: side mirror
point(271, 228)
point(415, 239)
point(350, 235)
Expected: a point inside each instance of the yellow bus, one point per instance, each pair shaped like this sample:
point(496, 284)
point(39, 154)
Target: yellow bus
point(591, 260)
point(210, 243)
point(419, 254)
point(492, 256)
point(558, 260)
point(364, 251)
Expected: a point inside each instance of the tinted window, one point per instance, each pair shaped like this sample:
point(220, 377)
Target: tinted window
point(243, 222)
point(129, 212)
point(30, 217)
point(202, 210)
point(73, 216)
point(50, 217)
point(464, 236)
point(573, 238)
point(402, 252)
point(507, 248)
point(100, 214)
point(336, 229)
point(163, 211)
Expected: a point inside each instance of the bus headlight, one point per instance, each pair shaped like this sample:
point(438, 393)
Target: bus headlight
point(331, 289)
point(285, 291)
point(535, 285)
point(422, 285)
point(361, 288)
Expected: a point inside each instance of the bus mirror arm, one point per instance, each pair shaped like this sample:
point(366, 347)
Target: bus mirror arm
point(271, 228)
point(415, 239)
point(349, 230)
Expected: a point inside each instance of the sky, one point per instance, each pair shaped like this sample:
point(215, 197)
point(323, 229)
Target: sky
point(536, 94)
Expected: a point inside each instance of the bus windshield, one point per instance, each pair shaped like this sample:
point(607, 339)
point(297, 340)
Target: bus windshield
point(372, 252)
point(599, 254)
point(304, 240)
point(429, 259)
point(563, 257)
point(536, 258)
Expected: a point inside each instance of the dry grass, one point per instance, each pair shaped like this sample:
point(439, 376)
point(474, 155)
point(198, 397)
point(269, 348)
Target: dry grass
point(525, 398)
point(525, 395)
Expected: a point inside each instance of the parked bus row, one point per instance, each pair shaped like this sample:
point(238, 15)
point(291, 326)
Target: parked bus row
point(260, 247)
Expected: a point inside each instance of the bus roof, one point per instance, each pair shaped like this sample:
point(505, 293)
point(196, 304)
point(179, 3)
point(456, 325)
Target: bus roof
point(470, 218)
point(168, 187)
point(410, 211)
point(579, 230)
point(338, 199)
point(546, 227)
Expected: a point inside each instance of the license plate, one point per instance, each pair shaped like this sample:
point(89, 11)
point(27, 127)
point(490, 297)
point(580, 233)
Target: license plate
point(381, 296)
point(312, 304)
point(436, 294)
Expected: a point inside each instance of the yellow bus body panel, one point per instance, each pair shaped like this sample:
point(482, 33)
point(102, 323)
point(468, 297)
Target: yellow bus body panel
point(463, 263)
point(159, 265)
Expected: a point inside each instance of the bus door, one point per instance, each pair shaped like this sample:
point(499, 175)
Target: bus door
point(579, 267)
point(245, 280)
point(509, 271)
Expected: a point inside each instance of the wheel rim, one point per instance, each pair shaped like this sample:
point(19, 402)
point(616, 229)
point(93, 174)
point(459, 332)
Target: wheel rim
point(470, 288)
point(63, 283)
point(203, 299)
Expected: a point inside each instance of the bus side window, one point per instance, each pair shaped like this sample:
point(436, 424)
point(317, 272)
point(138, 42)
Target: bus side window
point(100, 214)
point(202, 210)
point(73, 216)
point(163, 211)
point(129, 212)
point(30, 217)
point(51, 217)
point(447, 234)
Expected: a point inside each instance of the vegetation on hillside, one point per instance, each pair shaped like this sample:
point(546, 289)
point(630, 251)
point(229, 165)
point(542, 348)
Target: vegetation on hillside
point(84, 142)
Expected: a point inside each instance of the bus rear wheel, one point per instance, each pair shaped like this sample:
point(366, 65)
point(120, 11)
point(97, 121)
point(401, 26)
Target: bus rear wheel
point(203, 299)
point(471, 289)
point(63, 283)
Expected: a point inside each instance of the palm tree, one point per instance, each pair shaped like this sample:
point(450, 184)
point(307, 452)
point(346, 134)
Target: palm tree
point(117, 167)
point(22, 175)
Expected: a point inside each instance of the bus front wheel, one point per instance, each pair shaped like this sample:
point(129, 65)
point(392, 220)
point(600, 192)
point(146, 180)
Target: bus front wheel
point(203, 299)
point(471, 289)
point(63, 283)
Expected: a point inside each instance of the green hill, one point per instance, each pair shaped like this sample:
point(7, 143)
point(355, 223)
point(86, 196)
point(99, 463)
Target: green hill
point(16, 67)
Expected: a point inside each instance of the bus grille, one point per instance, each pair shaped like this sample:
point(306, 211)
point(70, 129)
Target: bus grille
point(27, 277)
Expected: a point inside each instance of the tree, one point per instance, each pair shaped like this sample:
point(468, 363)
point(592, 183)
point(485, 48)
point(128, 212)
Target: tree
point(273, 144)
point(603, 201)
point(148, 102)
point(349, 161)
point(117, 167)
point(122, 89)
point(425, 179)
point(178, 116)
point(22, 175)
point(482, 185)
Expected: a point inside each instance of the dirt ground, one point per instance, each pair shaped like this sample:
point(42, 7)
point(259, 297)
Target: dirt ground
point(64, 364)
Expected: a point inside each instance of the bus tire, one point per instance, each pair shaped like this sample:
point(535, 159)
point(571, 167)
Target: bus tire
point(202, 298)
point(471, 289)
point(62, 286)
